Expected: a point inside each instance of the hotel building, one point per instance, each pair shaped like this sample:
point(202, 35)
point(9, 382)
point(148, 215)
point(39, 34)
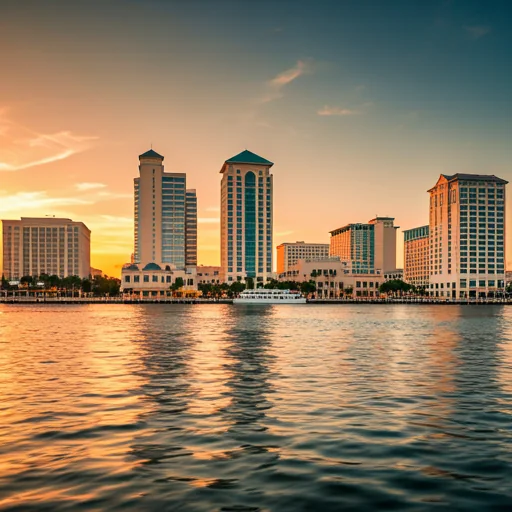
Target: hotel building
point(165, 215)
point(289, 253)
point(246, 218)
point(53, 246)
point(370, 248)
point(416, 256)
point(190, 228)
point(467, 236)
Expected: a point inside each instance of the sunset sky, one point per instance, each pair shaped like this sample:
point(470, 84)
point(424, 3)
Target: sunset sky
point(360, 104)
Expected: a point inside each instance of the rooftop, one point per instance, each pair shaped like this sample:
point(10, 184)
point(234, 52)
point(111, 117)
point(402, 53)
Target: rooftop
point(247, 157)
point(151, 154)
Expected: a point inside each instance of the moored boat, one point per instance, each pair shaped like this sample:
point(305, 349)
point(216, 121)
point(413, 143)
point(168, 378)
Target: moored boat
point(264, 296)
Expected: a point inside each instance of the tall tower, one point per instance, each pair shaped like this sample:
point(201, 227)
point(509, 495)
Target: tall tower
point(160, 206)
point(246, 218)
point(467, 236)
point(191, 228)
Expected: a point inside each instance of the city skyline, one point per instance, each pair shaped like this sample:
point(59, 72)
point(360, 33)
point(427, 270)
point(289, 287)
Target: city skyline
point(360, 115)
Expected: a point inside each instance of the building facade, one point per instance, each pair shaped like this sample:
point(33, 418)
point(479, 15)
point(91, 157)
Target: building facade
point(246, 218)
point(162, 220)
point(289, 253)
point(333, 278)
point(209, 274)
point(467, 236)
point(190, 228)
point(155, 282)
point(416, 256)
point(369, 247)
point(53, 246)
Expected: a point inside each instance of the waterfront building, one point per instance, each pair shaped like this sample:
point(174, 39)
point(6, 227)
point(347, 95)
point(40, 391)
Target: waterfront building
point(369, 247)
point(416, 256)
point(209, 274)
point(162, 219)
point(467, 236)
point(153, 281)
point(48, 245)
point(246, 218)
point(190, 228)
point(289, 253)
point(333, 278)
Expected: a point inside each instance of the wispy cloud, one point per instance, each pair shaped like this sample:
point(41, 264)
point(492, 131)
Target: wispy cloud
point(23, 202)
point(274, 87)
point(337, 111)
point(284, 233)
point(89, 186)
point(22, 148)
point(477, 31)
point(212, 209)
point(208, 220)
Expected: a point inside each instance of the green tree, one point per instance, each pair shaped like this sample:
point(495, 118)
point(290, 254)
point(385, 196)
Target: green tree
point(307, 288)
point(27, 280)
point(177, 285)
point(86, 285)
point(249, 283)
point(5, 283)
point(349, 290)
point(236, 288)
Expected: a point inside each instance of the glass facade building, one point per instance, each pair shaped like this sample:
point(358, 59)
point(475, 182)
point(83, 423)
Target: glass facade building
point(246, 218)
point(162, 219)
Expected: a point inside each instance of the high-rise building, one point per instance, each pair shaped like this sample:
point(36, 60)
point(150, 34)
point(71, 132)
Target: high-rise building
point(160, 213)
point(246, 218)
point(369, 247)
point(190, 228)
point(289, 253)
point(416, 256)
point(53, 246)
point(467, 236)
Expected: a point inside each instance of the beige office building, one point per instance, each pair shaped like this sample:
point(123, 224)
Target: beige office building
point(162, 220)
point(416, 256)
point(467, 236)
point(289, 253)
point(370, 247)
point(246, 218)
point(53, 246)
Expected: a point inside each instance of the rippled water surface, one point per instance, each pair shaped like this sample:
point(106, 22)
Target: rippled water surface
point(287, 408)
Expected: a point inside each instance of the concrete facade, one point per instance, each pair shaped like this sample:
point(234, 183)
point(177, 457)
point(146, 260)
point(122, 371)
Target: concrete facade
point(161, 217)
point(289, 253)
point(369, 247)
point(209, 274)
point(416, 256)
point(53, 246)
point(467, 236)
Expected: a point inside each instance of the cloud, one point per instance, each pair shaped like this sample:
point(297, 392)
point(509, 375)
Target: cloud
point(284, 233)
point(274, 87)
point(89, 186)
point(23, 202)
point(23, 148)
point(477, 31)
point(208, 220)
point(337, 111)
point(213, 209)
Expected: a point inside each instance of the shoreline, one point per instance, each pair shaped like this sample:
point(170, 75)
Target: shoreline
point(88, 301)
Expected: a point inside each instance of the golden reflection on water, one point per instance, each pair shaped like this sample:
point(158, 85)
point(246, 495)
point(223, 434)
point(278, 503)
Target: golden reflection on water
point(202, 397)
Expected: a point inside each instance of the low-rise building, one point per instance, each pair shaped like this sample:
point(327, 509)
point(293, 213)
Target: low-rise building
point(156, 281)
point(334, 278)
point(416, 256)
point(209, 274)
point(289, 253)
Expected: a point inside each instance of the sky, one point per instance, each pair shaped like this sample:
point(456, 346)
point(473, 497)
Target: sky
point(360, 104)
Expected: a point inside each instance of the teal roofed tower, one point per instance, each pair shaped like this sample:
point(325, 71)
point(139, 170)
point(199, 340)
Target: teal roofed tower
point(151, 154)
point(247, 157)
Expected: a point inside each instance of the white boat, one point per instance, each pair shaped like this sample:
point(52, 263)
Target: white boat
point(263, 296)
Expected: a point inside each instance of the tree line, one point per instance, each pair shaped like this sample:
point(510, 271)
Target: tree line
point(97, 285)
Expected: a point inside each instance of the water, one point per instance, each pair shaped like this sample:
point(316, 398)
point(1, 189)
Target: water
point(288, 408)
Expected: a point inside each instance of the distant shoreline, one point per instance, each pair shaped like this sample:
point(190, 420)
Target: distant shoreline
point(81, 301)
